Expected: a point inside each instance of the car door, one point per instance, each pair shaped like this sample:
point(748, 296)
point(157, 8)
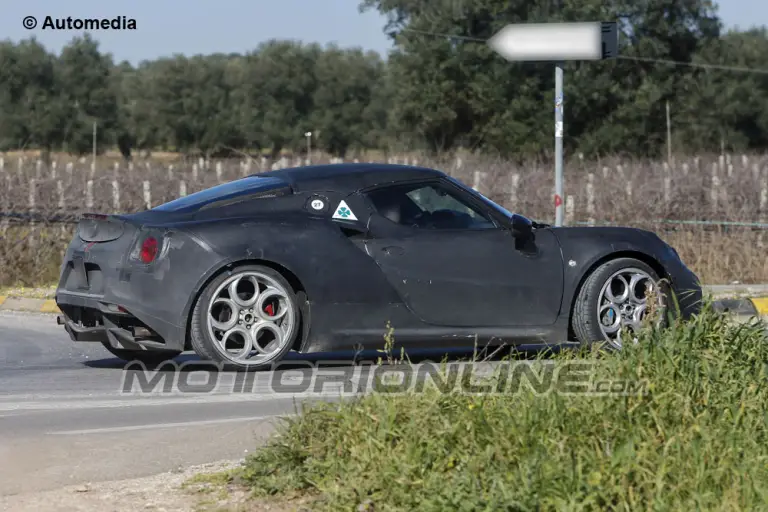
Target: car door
point(454, 265)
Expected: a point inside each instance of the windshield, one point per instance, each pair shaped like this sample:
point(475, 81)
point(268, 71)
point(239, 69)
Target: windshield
point(497, 207)
point(241, 187)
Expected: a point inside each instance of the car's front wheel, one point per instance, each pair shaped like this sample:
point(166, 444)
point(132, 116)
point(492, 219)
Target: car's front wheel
point(246, 318)
point(615, 301)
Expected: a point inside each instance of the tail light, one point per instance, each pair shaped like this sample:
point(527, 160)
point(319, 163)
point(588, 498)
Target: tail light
point(149, 249)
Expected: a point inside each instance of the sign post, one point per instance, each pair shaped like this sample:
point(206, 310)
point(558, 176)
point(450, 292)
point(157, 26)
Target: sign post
point(557, 42)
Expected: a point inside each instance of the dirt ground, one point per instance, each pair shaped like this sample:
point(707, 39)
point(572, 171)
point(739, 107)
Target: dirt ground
point(166, 492)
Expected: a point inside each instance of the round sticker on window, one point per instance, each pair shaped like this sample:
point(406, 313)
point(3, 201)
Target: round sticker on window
point(317, 204)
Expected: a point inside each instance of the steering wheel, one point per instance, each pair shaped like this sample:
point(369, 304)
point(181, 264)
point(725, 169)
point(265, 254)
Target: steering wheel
point(422, 220)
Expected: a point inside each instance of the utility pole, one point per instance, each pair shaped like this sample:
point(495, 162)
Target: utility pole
point(559, 105)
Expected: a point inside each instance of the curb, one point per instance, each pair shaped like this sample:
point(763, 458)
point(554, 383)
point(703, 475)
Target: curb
point(24, 304)
point(743, 308)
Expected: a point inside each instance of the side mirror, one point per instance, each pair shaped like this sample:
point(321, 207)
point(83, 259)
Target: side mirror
point(522, 227)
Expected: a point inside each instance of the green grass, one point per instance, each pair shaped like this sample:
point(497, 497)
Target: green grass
point(696, 441)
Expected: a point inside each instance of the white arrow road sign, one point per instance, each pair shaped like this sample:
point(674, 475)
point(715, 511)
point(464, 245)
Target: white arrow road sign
point(549, 41)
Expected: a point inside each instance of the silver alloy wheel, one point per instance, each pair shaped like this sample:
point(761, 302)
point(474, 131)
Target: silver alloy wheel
point(623, 302)
point(250, 318)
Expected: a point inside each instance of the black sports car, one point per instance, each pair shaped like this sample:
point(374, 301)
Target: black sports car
point(321, 258)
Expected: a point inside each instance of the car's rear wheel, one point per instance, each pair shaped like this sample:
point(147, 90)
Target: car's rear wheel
point(148, 357)
point(246, 318)
point(615, 301)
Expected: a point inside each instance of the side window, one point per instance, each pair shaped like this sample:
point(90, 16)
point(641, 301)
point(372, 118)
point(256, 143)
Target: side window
point(427, 206)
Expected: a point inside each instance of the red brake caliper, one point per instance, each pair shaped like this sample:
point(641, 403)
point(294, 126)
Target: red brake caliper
point(270, 310)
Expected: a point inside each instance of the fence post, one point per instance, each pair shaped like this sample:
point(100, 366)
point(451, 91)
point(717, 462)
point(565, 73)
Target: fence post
point(715, 187)
point(60, 193)
point(194, 173)
point(513, 186)
point(667, 189)
point(32, 193)
point(570, 207)
point(147, 195)
point(218, 171)
point(5, 222)
point(182, 188)
point(53, 169)
point(591, 198)
point(8, 190)
point(115, 195)
point(89, 194)
point(479, 178)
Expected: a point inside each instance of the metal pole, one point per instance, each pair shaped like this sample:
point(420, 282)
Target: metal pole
point(559, 210)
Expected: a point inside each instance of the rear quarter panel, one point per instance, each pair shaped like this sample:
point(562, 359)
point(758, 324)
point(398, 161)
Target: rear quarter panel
point(332, 268)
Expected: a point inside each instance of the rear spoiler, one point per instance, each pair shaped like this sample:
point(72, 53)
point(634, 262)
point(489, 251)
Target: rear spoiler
point(100, 227)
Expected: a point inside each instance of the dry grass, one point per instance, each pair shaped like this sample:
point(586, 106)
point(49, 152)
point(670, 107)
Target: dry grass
point(37, 292)
point(708, 188)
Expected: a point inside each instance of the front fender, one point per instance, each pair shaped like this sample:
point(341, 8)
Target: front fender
point(584, 249)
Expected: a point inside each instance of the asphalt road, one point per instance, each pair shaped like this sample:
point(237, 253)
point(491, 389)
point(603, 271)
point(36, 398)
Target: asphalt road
point(65, 417)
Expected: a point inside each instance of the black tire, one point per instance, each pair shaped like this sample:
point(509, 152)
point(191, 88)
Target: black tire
point(585, 321)
point(206, 348)
point(148, 357)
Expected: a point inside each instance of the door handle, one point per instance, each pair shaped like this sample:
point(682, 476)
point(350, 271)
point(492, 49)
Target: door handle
point(393, 250)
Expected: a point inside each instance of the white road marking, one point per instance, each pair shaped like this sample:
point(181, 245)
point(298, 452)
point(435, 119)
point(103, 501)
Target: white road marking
point(154, 426)
point(60, 403)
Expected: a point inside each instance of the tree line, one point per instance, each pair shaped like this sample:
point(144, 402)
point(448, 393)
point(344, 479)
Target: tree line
point(440, 89)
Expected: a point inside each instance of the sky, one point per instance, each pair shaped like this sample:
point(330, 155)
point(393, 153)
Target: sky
point(210, 26)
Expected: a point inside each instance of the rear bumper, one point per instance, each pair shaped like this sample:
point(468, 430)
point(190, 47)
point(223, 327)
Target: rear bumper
point(88, 318)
